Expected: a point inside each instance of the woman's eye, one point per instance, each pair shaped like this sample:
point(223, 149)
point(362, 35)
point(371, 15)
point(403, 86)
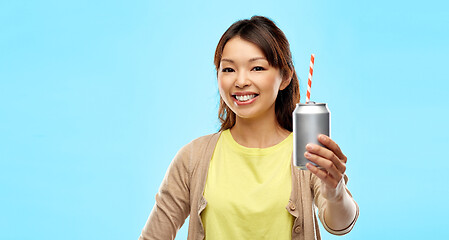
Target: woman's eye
point(258, 68)
point(227, 70)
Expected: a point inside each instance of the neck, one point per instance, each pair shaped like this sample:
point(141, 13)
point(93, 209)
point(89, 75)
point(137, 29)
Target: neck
point(261, 132)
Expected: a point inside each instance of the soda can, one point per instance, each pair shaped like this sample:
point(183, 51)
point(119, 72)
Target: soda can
point(309, 120)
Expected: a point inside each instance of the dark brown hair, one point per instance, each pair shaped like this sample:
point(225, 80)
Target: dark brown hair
point(264, 33)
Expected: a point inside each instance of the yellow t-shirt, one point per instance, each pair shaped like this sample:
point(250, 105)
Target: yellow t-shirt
point(247, 190)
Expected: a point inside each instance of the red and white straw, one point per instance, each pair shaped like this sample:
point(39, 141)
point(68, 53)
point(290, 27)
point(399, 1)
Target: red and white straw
point(309, 84)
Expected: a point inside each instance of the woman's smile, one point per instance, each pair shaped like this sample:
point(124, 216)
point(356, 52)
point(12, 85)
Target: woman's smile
point(244, 98)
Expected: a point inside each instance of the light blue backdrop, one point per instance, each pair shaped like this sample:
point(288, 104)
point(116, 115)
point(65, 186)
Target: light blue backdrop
point(96, 97)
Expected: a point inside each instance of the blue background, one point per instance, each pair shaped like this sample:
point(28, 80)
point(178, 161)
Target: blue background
point(96, 98)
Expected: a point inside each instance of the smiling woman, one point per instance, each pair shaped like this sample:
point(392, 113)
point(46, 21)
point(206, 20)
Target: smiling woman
point(240, 183)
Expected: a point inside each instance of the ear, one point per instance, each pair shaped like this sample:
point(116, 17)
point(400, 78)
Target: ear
point(286, 81)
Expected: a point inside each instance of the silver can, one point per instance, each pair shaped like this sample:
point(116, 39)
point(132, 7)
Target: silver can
point(309, 121)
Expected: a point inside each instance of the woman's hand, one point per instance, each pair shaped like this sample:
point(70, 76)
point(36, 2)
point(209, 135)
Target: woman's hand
point(333, 163)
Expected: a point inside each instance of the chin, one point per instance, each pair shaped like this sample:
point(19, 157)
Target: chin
point(246, 115)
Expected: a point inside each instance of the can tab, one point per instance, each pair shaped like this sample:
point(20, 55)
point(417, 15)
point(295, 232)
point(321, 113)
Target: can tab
point(310, 102)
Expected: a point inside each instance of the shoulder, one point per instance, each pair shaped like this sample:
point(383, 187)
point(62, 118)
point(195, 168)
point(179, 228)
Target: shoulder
point(198, 149)
point(201, 143)
point(205, 141)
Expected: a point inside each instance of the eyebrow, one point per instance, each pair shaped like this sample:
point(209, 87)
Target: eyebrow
point(250, 60)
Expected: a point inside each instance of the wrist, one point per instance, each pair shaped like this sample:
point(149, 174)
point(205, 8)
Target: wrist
point(335, 195)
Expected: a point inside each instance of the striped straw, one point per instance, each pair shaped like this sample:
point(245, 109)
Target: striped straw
point(309, 84)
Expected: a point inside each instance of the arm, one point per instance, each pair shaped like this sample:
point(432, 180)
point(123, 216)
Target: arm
point(338, 210)
point(338, 215)
point(342, 210)
point(172, 201)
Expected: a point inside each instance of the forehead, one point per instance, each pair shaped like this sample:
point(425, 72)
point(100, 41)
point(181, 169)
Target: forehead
point(239, 49)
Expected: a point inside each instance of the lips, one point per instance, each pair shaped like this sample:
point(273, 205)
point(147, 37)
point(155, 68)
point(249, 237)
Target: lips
point(244, 98)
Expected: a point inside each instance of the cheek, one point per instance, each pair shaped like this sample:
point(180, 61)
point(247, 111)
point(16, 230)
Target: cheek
point(222, 86)
point(271, 83)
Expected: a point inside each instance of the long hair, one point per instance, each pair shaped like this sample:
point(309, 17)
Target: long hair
point(264, 33)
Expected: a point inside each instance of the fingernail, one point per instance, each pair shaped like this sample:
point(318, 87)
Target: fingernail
point(309, 166)
point(322, 137)
point(309, 147)
point(307, 154)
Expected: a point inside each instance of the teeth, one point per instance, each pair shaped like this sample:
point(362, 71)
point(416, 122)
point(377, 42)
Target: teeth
point(244, 98)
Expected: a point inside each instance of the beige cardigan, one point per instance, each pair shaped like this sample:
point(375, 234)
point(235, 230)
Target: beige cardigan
point(181, 195)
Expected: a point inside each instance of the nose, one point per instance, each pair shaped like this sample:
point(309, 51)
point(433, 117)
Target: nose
point(242, 80)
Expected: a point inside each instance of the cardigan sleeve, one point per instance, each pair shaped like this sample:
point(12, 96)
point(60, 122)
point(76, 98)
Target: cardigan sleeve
point(320, 203)
point(172, 205)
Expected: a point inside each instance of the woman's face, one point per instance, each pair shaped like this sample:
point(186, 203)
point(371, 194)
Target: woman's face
point(246, 81)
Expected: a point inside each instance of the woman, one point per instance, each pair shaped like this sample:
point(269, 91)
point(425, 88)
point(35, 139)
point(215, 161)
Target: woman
point(240, 183)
